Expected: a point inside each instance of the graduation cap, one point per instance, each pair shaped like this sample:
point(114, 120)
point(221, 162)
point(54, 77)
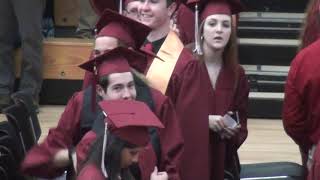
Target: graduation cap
point(129, 120)
point(127, 30)
point(118, 60)
point(204, 8)
point(185, 22)
point(228, 7)
point(116, 5)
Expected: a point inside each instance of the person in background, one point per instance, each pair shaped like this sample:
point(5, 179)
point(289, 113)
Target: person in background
point(163, 75)
point(122, 142)
point(166, 146)
point(87, 20)
point(210, 89)
point(301, 109)
point(129, 7)
point(311, 26)
point(52, 157)
point(113, 30)
point(20, 18)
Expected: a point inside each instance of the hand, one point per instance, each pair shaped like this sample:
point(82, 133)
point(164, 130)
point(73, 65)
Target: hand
point(155, 175)
point(216, 124)
point(61, 158)
point(228, 133)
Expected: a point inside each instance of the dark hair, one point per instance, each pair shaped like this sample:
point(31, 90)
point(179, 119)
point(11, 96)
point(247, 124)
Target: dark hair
point(104, 81)
point(311, 24)
point(115, 145)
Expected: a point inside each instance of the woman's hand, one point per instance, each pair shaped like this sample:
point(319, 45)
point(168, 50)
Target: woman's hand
point(155, 175)
point(216, 124)
point(228, 133)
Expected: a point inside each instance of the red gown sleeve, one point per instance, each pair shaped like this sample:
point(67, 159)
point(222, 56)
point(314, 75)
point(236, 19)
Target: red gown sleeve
point(82, 149)
point(314, 172)
point(38, 161)
point(241, 105)
point(293, 113)
point(91, 172)
point(171, 141)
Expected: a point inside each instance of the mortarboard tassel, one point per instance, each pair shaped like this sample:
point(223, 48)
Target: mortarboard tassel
point(197, 49)
point(94, 87)
point(120, 6)
point(104, 147)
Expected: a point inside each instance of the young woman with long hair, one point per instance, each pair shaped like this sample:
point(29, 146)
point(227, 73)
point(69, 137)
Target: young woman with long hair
point(216, 89)
point(125, 136)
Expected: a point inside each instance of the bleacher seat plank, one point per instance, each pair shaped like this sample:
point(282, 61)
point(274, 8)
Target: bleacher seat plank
point(61, 57)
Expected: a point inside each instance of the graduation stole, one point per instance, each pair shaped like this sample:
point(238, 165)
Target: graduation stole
point(160, 72)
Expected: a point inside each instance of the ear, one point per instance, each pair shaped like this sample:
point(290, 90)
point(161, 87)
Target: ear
point(100, 91)
point(172, 8)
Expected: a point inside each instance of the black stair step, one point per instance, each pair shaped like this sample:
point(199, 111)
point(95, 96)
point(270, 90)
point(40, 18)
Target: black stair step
point(279, 52)
point(275, 5)
point(265, 105)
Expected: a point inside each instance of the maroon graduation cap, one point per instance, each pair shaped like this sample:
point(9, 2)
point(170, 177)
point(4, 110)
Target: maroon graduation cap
point(204, 8)
point(118, 60)
point(127, 30)
point(129, 120)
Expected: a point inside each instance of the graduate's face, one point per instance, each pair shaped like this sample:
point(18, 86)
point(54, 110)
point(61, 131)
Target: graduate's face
point(120, 86)
point(130, 156)
point(131, 10)
point(155, 13)
point(105, 43)
point(217, 31)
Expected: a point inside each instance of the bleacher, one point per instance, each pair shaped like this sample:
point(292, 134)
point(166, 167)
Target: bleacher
point(268, 40)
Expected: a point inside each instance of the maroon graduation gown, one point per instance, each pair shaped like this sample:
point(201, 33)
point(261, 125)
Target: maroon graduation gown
point(314, 172)
point(226, 97)
point(170, 139)
point(38, 161)
point(91, 172)
point(301, 108)
point(205, 152)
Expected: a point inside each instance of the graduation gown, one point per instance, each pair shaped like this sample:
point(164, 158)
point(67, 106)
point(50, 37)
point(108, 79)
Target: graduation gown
point(91, 172)
point(314, 172)
point(164, 46)
point(301, 107)
point(38, 161)
point(205, 152)
point(170, 140)
point(227, 97)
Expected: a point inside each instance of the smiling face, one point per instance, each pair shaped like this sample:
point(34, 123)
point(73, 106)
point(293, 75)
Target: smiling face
point(217, 31)
point(120, 86)
point(155, 13)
